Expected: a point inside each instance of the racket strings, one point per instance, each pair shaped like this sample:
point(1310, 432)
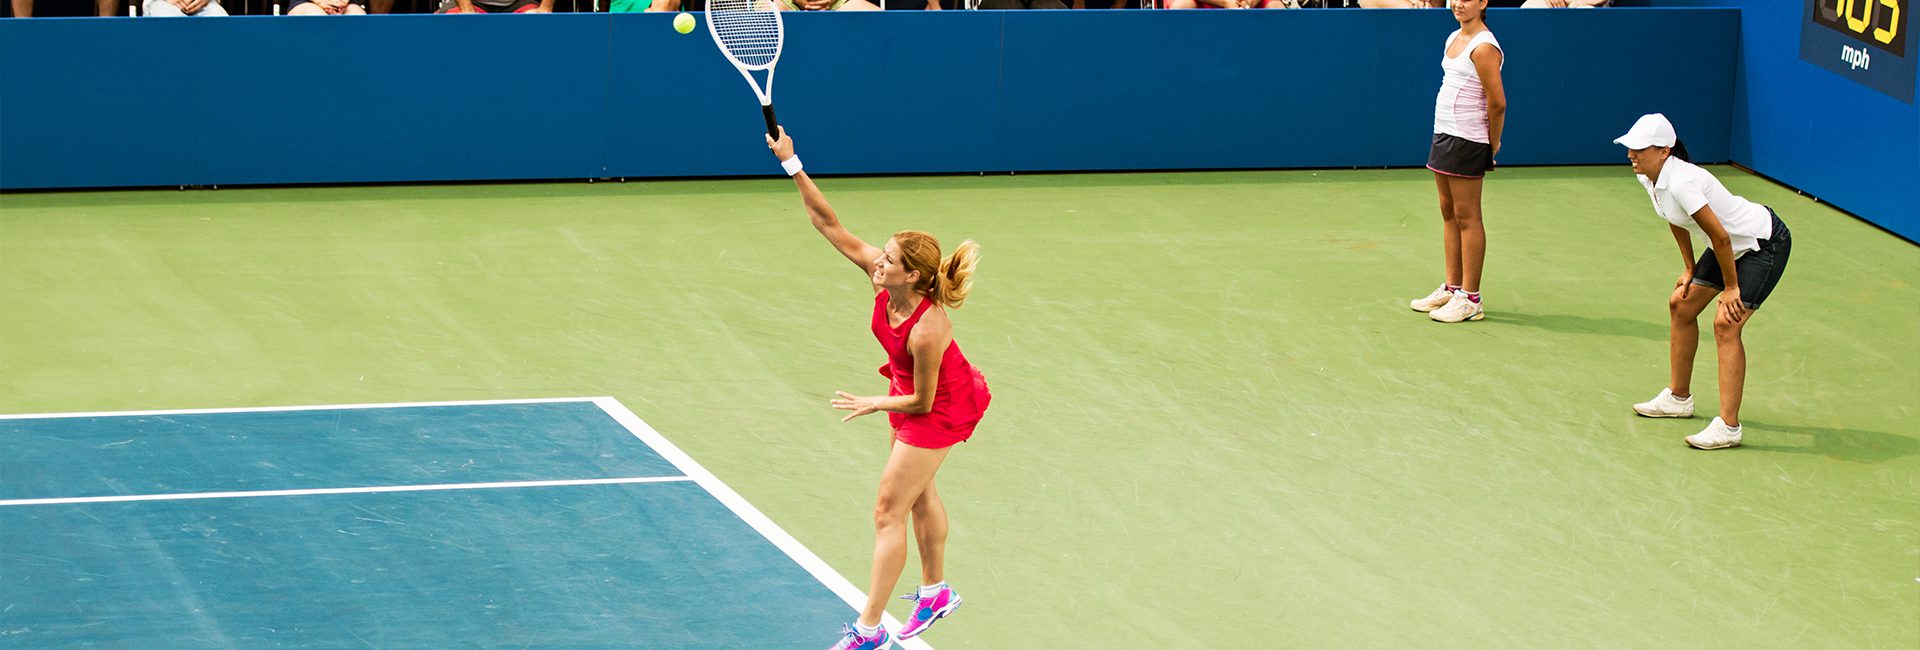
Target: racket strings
point(748, 30)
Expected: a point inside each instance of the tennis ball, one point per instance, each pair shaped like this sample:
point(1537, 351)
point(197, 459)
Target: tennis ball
point(683, 23)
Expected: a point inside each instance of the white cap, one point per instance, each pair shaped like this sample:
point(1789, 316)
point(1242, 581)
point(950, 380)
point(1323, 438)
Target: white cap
point(1650, 130)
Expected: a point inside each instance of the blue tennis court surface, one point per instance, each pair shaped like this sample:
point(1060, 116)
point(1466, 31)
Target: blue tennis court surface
point(562, 523)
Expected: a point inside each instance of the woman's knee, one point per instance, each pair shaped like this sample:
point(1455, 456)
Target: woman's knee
point(891, 510)
point(1726, 328)
point(886, 516)
point(1466, 215)
point(1690, 300)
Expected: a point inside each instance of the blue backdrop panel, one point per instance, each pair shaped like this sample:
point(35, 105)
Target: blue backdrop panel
point(1830, 136)
point(1570, 111)
point(86, 103)
point(899, 92)
point(413, 97)
point(335, 448)
point(101, 102)
point(654, 127)
point(1145, 90)
point(1213, 90)
point(608, 566)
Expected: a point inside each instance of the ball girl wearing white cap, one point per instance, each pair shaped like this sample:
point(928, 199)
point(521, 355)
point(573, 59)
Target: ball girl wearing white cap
point(1747, 249)
point(1468, 116)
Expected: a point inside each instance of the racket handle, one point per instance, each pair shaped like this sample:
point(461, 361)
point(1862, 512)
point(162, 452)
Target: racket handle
point(773, 125)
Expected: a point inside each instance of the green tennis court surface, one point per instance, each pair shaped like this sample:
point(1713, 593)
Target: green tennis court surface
point(1216, 423)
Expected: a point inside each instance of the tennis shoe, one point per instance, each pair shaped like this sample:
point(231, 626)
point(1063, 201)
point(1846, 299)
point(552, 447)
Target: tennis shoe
point(1665, 405)
point(1434, 300)
point(1459, 308)
point(851, 639)
point(1717, 435)
point(928, 608)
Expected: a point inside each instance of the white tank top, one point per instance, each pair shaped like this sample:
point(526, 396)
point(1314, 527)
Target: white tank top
point(1461, 108)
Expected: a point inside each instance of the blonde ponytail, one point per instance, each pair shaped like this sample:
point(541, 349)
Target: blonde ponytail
point(955, 279)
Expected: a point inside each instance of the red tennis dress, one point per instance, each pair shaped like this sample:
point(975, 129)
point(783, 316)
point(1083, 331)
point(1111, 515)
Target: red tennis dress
point(958, 402)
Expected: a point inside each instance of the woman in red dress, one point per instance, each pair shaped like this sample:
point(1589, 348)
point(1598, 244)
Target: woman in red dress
point(934, 399)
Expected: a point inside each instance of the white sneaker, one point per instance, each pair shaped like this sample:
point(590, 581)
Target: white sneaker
point(1434, 300)
point(1717, 435)
point(1458, 308)
point(1665, 405)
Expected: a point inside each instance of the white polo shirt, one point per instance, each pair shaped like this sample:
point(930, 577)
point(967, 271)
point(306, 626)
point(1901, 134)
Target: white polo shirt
point(1684, 187)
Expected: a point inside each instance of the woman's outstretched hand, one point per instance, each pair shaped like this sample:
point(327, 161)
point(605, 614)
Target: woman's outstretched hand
point(849, 402)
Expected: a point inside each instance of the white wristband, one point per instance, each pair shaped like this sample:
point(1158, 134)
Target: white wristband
point(792, 165)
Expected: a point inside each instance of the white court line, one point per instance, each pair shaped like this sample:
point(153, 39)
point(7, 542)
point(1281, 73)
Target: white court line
point(274, 409)
point(350, 490)
point(835, 582)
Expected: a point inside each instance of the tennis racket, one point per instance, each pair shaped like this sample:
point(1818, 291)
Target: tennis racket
point(749, 33)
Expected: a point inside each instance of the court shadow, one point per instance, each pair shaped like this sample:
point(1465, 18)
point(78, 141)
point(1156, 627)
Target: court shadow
point(1570, 324)
point(1855, 445)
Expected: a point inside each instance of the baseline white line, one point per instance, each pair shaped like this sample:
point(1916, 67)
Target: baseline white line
point(350, 490)
point(835, 582)
point(273, 409)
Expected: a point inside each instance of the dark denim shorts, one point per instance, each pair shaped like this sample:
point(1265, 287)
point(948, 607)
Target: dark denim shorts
point(1759, 270)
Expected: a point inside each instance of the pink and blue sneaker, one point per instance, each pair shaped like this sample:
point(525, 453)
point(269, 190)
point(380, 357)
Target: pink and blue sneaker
point(852, 639)
point(929, 606)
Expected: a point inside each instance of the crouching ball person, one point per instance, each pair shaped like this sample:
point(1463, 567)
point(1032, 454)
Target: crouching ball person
point(1747, 249)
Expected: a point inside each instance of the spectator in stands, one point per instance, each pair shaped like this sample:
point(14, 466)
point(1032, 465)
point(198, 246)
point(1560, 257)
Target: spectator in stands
point(166, 8)
point(496, 7)
point(326, 8)
point(24, 8)
point(1023, 4)
point(1402, 4)
point(798, 5)
point(831, 5)
point(1230, 4)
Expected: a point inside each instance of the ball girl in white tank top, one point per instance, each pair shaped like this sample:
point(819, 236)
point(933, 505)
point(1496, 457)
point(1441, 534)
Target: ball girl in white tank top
point(1468, 116)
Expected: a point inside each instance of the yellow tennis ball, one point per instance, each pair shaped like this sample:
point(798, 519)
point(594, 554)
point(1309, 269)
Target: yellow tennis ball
point(683, 23)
